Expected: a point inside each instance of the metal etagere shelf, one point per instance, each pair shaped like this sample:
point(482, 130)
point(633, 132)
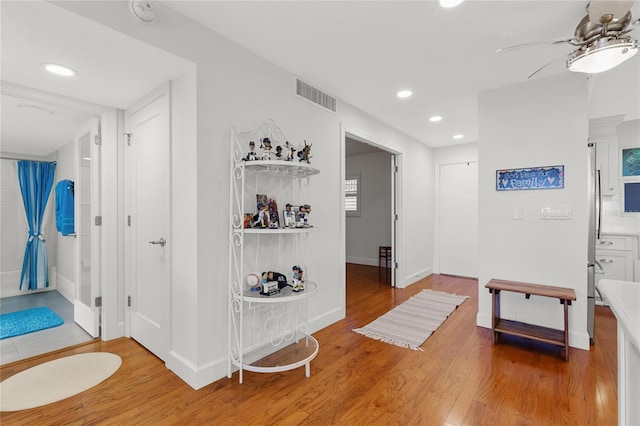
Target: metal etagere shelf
point(267, 333)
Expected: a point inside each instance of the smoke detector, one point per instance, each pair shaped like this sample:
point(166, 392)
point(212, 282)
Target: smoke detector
point(143, 10)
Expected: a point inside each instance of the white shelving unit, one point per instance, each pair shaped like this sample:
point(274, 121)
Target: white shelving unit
point(267, 333)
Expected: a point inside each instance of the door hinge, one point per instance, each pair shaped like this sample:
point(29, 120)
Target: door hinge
point(129, 301)
point(128, 136)
point(97, 140)
point(396, 216)
point(98, 220)
point(396, 265)
point(128, 220)
point(395, 169)
point(98, 302)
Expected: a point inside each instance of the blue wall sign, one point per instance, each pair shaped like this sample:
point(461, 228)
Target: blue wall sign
point(550, 177)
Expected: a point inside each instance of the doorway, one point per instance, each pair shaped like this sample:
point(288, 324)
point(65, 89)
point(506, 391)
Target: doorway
point(370, 202)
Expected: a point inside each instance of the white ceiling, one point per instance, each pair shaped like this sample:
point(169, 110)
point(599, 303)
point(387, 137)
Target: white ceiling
point(114, 70)
point(361, 52)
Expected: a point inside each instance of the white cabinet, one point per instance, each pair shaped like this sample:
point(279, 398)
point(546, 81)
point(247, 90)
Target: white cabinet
point(615, 255)
point(268, 332)
point(607, 164)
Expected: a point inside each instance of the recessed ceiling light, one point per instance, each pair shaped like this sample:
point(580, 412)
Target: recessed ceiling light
point(59, 69)
point(405, 93)
point(458, 136)
point(435, 118)
point(450, 3)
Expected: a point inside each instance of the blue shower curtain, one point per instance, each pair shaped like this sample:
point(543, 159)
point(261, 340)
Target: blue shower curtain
point(36, 181)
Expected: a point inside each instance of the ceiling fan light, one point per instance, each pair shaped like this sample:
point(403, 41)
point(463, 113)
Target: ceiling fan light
point(602, 56)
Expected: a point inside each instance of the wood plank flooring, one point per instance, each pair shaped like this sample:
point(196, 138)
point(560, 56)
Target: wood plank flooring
point(460, 378)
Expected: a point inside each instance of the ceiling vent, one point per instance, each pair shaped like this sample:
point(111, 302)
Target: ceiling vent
point(316, 96)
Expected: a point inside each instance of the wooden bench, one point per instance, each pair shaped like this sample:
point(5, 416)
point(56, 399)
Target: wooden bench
point(530, 331)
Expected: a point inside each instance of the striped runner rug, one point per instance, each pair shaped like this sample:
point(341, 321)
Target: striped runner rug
point(411, 323)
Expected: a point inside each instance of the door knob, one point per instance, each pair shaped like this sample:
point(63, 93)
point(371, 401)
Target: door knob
point(161, 241)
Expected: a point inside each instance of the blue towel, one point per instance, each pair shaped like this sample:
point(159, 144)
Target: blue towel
point(65, 207)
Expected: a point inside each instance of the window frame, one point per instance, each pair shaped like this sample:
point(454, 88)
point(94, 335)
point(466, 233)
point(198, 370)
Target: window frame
point(357, 196)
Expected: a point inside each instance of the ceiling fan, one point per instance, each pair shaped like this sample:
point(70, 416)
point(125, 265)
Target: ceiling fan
point(601, 38)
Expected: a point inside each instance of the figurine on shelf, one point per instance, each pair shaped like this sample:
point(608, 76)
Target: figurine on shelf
point(251, 155)
point(291, 151)
point(248, 220)
point(266, 149)
point(279, 155)
point(289, 217)
point(303, 216)
point(298, 279)
point(261, 220)
point(305, 153)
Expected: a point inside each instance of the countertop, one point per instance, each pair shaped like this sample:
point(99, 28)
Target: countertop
point(621, 233)
point(624, 300)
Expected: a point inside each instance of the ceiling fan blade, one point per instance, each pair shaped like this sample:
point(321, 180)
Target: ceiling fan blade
point(542, 67)
point(534, 43)
point(617, 8)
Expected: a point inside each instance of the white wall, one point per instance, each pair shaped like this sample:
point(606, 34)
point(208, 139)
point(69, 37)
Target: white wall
point(365, 233)
point(616, 92)
point(236, 88)
point(539, 123)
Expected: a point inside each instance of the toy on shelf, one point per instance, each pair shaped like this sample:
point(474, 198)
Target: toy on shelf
point(305, 153)
point(289, 217)
point(266, 149)
point(303, 216)
point(262, 219)
point(251, 155)
point(272, 283)
point(254, 281)
point(279, 155)
point(298, 279)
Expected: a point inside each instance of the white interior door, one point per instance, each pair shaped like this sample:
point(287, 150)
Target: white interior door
point(87, 207)
point(149, 242)
point(459, 219)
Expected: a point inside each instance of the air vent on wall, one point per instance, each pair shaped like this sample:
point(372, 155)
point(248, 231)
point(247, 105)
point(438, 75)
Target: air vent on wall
point(316, 96)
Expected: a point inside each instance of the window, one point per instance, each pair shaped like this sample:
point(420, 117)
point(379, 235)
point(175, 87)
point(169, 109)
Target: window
point(631, 180)
point(352, 195)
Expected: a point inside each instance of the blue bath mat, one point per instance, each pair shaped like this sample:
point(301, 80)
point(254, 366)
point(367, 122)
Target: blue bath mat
point(27, 321)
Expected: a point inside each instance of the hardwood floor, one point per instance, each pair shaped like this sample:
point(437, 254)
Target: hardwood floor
point(460, 378)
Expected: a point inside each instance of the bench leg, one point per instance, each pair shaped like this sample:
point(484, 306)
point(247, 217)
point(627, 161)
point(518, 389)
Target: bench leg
point(495, 311)
point(566, 330)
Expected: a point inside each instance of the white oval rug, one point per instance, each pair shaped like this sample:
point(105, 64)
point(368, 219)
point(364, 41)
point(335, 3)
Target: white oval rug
point(56, 380)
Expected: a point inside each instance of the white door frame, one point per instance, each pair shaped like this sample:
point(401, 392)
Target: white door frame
point(397, 275)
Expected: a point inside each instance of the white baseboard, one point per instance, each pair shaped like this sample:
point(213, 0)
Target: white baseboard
point(199, 376)
point(362, 261)
point(417, 276)
point(196, 377)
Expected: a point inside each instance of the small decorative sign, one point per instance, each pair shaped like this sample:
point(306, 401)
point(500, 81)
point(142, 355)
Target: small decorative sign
point(549, 177)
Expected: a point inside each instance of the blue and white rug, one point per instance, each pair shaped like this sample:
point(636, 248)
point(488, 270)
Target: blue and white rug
point(28, 321)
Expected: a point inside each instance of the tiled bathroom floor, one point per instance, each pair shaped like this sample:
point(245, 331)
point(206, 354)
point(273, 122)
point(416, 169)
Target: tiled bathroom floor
point(40, 342)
